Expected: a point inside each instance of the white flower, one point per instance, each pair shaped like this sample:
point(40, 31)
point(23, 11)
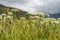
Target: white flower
point(23, 18)
point(58, 18)
point(14, 10)
point(37, 17)
point(3, 15)
point(10, 17)
point(40, 14)
point(9, 13)
point(56, 22)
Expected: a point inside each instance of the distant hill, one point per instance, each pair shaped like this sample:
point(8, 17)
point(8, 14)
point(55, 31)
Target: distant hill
point(56, 15)
point(5, 9)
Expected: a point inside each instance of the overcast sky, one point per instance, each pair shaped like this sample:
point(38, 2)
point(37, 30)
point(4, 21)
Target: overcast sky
point(49, 6)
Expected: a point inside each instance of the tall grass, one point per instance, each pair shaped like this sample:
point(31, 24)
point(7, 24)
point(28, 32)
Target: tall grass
point(35, 28)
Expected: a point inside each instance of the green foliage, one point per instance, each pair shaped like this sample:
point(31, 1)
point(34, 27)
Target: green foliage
point(34, 28)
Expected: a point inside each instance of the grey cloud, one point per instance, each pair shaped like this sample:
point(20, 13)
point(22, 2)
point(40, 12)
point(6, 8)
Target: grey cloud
point(50, 6)
point(19, 1)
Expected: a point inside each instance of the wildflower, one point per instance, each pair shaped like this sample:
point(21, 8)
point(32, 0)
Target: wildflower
point(4, 18)
point(37, 17)
point(9, 13)
point(14, 10)
point(53, 19)
point(23, 18)
point(56, 22)
point(40, 14)
point(3, 14)
point(31, 17)
point(10, 17)
point(42, 22)
point(58, 18)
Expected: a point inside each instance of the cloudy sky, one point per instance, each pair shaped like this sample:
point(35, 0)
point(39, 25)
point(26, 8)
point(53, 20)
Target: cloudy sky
point(46, 6)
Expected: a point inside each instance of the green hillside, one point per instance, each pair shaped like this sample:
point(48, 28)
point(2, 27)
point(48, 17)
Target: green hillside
point(17, 12)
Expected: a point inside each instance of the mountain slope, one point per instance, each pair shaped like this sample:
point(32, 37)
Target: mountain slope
point(19, 13)
point(5, 9)
point(56, 15)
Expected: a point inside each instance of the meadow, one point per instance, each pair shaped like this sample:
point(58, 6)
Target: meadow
point(38, 27)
